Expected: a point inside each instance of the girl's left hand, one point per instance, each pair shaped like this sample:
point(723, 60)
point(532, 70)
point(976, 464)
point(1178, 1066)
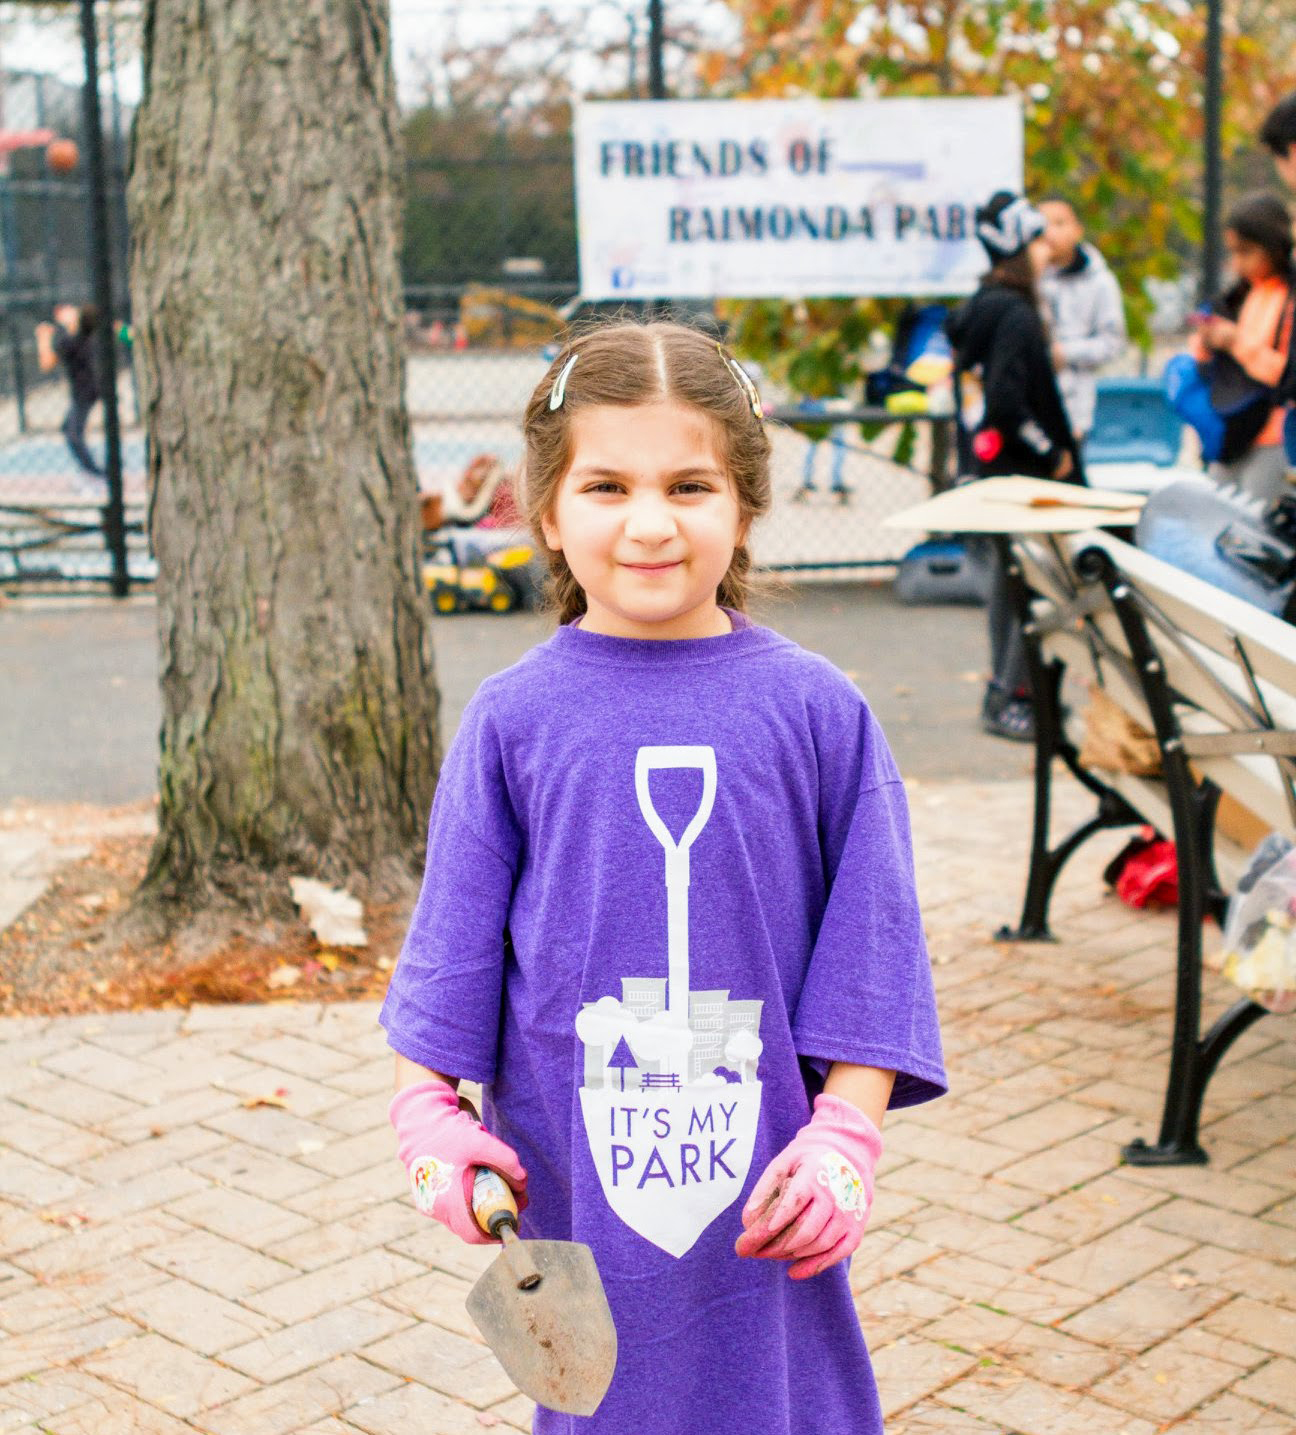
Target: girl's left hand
point(811, 1204)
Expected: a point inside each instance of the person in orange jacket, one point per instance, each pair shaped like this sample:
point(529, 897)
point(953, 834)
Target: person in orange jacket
point(1252, 325)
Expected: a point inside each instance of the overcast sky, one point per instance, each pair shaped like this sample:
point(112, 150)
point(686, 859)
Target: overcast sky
point(417, 29)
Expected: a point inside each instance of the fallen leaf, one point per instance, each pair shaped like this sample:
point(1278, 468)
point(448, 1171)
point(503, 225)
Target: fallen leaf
point(309, 1145)
point(484, 1417)
point(70, 1219)
point(253, 1101)
point(1182, 1281)
point(335, 916)
point(331, 960)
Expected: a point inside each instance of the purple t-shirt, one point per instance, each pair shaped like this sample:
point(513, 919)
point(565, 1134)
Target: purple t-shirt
point(667, 884)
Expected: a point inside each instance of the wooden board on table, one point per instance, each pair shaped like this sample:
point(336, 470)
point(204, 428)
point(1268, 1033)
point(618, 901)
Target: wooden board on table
point(1020, 505)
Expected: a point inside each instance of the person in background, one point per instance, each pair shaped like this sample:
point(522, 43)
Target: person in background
point(1085, 311)
point(1252, 324)
point(483, 496)
point(1023, 428)
point(71, 339)
point(1278, 135)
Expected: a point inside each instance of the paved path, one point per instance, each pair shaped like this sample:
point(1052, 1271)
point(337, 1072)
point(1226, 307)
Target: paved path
point(250, 1269)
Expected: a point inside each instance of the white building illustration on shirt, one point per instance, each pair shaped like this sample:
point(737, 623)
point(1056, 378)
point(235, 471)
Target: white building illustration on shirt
point(713, 1020)
point(671, 1086)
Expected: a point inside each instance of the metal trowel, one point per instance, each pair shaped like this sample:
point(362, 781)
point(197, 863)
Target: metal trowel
point(542, 1309)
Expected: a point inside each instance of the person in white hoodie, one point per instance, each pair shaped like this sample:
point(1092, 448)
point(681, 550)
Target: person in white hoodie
point(1084, 310)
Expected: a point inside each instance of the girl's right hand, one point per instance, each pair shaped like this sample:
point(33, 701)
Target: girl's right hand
point(1065, 466)
point(442, 1146)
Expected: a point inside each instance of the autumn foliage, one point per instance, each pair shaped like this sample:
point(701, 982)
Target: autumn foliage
point(1111, 93)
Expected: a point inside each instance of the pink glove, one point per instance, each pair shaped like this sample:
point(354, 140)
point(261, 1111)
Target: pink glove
point(442, 1147)
point(812, 1201)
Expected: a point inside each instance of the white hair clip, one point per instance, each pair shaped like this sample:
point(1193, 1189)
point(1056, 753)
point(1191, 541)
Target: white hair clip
point(559, 390)
point(744, 381)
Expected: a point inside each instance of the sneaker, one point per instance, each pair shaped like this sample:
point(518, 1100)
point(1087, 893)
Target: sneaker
point(1013, 718)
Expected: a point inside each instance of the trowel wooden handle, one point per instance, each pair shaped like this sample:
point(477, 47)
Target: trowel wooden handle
point(497, 1214)
point(493, 1203)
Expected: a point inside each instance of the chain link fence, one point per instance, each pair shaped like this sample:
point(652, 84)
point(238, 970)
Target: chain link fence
point(490, 265)
point(51, 506)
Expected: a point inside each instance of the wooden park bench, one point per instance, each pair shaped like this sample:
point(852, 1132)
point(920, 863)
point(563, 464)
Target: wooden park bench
point(1214, 679)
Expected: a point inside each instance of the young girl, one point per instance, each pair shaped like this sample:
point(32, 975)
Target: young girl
point(1023, 427)
point(668, 921)
point(1253, 328)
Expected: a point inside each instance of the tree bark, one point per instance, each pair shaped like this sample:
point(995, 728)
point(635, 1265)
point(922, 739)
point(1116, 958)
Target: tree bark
point(299, 730)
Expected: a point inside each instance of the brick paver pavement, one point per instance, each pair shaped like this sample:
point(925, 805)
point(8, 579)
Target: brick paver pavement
point(175, 1257)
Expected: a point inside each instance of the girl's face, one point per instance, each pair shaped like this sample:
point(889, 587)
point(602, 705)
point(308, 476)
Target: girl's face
point(648, 520)
point(1249, 261)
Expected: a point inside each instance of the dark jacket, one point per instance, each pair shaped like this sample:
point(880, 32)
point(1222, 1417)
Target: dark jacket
point(81, 362)
point(999, 333)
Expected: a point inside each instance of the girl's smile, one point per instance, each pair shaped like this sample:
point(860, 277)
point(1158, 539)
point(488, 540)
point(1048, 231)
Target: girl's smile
point(651, 567)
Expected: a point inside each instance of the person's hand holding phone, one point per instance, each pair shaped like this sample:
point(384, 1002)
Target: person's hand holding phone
point(1219, 333)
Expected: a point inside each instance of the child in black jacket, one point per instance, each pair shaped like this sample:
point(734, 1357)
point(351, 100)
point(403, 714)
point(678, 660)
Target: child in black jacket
point(1023, 429)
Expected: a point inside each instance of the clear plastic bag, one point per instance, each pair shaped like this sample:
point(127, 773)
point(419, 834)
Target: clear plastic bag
point(1260, 933)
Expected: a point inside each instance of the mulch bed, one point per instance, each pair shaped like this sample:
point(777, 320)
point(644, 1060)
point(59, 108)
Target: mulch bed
point(52, 961)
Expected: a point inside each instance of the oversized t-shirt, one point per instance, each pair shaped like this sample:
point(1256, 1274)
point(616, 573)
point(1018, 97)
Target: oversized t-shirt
point(667, 885)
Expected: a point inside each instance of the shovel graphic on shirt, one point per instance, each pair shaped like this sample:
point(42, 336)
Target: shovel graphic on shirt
point(671, 1094)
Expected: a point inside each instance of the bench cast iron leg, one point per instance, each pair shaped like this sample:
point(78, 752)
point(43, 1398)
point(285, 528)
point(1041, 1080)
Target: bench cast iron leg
point(1046, 863)
point(1192, 1058)
point(1178, 1144)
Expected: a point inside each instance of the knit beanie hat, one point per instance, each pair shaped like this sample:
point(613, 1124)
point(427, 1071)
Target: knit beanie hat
point(1007, 224)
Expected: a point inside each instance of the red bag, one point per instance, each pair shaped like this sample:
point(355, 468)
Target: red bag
point(1145, 872)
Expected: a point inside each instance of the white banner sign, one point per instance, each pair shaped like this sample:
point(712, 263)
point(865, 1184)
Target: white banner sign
point(788, 198)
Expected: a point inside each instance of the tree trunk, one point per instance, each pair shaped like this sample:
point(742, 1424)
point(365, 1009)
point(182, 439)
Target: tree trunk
point(298, 693)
